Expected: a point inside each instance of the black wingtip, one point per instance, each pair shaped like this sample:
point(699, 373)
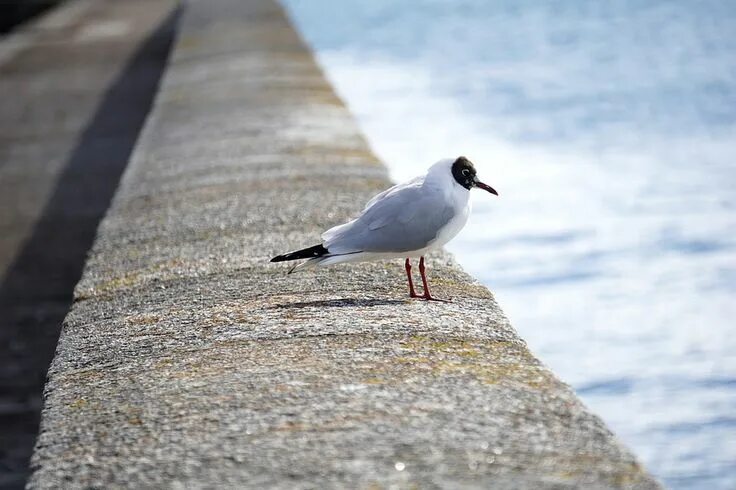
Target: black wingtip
point(305, 253)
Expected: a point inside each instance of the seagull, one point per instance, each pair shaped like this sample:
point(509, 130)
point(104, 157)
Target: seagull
point(407, 220)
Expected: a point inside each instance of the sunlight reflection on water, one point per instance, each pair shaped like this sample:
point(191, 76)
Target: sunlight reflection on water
point(609, 130)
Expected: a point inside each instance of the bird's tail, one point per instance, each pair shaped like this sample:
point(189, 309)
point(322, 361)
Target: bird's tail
point(315, 254)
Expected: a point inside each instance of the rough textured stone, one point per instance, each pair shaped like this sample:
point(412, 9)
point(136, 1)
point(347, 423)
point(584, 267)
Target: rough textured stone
point(72, 106)
point(189, 360)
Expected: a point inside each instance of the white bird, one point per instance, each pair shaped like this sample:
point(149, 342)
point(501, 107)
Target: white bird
point(407, 220)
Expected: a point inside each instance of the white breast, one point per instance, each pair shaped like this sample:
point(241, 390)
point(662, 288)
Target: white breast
point(452, 228)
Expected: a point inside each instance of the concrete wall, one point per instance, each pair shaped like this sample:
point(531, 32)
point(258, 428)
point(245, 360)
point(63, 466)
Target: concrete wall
point(74, 97)
point(188, 359)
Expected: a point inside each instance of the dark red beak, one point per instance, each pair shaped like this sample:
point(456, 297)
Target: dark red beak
point(485, 187)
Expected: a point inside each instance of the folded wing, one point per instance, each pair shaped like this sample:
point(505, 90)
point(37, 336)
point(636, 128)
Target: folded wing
point(403, 218)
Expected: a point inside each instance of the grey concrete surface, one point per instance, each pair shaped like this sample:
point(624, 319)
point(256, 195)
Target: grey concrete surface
point(189, 361)
point(77, 85)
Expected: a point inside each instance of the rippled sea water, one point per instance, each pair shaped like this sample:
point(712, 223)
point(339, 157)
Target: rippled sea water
point(609, 129)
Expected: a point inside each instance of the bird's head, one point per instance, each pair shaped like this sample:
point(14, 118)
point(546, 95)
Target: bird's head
point(464, 174)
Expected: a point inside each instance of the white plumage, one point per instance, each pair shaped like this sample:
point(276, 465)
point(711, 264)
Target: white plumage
point(407, 220)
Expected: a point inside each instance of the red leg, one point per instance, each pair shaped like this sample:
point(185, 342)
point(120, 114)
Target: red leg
point(427, 294)
point(412, 293)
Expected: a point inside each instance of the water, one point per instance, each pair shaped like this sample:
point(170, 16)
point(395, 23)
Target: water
point(609, 129)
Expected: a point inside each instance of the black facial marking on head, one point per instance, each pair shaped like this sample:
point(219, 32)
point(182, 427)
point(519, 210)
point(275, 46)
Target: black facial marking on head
point(464, 172)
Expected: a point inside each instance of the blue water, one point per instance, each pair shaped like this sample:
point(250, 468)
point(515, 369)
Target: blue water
point(609, 129)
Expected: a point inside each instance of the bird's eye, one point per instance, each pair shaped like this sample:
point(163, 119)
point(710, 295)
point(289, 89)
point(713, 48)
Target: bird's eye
point(465, 172)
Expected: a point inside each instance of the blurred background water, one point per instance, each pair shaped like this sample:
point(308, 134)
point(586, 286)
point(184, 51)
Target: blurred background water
point(609, 129)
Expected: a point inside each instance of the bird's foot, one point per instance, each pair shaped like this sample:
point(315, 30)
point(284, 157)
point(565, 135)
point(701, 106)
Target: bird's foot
point(429, 297)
